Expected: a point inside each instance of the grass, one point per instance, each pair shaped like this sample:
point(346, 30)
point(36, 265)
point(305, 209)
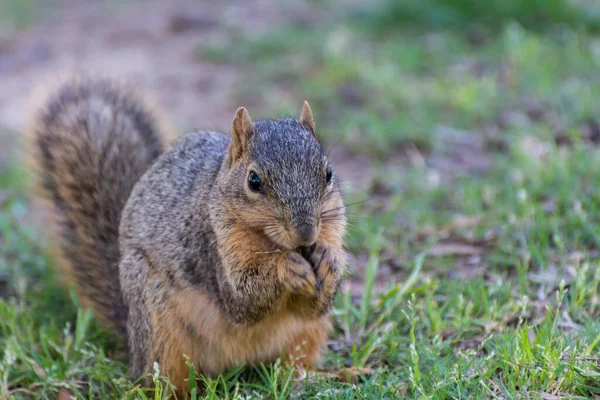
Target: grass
point(16, 15)
point(473, 14)
point(476, 238)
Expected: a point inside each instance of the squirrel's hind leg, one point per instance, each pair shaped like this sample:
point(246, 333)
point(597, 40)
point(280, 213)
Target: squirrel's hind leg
point(305, 349)
point(154, 334)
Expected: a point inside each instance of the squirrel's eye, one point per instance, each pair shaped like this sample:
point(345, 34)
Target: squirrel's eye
point(328, 175)
point(254, 182)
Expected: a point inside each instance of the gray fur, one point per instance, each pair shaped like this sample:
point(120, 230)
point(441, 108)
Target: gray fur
point(102, 168)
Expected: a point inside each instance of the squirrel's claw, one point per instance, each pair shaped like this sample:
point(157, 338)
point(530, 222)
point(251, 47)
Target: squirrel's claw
point(298, 276)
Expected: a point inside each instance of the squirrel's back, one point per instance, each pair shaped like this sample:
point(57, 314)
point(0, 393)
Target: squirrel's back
point(167, 213)
point(89, 142)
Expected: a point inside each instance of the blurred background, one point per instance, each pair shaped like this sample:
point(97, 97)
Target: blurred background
point(411, 96)
point(464, 130)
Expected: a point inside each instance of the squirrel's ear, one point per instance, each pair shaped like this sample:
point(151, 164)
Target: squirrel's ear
point(240, 132)
point(306, 118)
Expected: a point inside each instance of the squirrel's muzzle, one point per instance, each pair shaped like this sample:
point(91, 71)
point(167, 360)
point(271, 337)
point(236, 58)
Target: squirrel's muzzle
point(305, 234)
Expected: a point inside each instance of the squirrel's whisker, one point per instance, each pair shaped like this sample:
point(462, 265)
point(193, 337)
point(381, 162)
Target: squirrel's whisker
point(333, 217)
point(268, 252)
point(346, 206)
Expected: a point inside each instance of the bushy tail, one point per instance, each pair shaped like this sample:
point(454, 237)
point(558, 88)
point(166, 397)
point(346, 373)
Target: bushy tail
point(89, 143)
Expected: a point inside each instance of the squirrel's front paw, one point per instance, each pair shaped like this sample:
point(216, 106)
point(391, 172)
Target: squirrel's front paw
point(328, 269)
point(297, 274)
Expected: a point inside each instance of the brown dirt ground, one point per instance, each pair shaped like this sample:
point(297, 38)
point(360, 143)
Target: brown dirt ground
point(152, 43)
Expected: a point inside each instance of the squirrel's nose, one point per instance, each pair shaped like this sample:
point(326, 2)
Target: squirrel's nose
point(305, 234)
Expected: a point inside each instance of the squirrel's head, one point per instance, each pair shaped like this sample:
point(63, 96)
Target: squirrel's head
point(277, 180)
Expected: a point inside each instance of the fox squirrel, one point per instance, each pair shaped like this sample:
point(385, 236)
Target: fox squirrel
point(227, 249)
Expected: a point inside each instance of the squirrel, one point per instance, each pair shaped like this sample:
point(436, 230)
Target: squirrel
point(226, 249)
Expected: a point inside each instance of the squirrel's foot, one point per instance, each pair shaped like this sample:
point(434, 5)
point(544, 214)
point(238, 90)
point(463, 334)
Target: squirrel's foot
point(296, 273)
